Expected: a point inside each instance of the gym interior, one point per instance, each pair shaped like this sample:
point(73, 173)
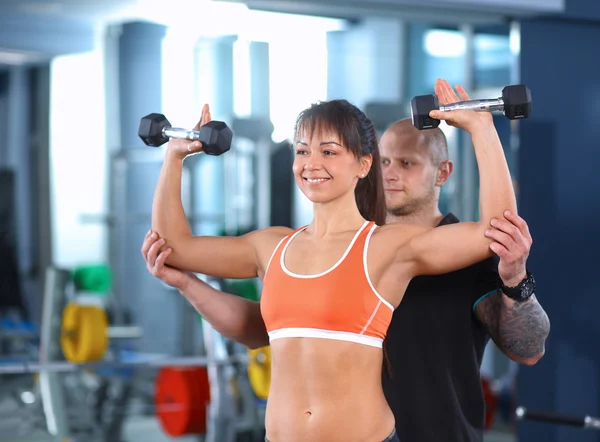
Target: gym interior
point(77, 183)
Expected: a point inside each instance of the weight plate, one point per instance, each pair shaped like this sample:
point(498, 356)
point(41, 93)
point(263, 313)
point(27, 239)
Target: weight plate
point(182, 395)
point(83, 333)
point(259, 371)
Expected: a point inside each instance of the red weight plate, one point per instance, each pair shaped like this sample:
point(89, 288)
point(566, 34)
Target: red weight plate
point(491, 403)
point(181, 397)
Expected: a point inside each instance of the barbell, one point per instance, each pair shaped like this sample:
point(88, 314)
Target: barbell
point(27, 366)
point(586, 422)
point(85, 334)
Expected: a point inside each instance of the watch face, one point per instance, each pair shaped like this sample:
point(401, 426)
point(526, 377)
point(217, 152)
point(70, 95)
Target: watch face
point(525, 289)
point(522, 291)
point(528, 288)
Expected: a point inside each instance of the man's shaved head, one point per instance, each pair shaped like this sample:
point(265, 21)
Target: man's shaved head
point(415, 166)
point(433, 141)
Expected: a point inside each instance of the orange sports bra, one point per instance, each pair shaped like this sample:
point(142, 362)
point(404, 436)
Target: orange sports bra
point(339, 303)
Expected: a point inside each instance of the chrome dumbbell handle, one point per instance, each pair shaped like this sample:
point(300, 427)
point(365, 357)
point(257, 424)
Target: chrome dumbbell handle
point(487, 105)
point(184, 134)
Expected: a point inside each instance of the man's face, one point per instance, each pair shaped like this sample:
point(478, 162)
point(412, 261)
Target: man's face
point(409, 176)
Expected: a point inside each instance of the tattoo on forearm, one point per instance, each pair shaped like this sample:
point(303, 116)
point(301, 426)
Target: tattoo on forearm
point(520, 330)
point(488, 312)
point(523, 328)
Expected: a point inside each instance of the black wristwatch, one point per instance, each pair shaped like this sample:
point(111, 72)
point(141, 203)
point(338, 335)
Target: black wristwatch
point(522, 291)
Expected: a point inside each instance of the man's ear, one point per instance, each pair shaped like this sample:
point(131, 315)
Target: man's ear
point(444, 172)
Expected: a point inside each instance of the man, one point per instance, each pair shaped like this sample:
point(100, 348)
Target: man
point(437, 336)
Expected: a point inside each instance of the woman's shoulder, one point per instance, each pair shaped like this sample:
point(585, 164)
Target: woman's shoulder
point(401, 230)
point(393, 236)
point(267, 240)
point(277, 232)
point(269, 236)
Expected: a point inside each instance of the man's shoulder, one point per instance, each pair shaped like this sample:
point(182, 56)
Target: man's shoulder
point(449, 218)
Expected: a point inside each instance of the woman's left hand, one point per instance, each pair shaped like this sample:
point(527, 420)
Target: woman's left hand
point(461, 118)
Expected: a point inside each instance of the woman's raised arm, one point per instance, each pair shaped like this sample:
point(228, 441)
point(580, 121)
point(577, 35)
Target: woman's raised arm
point(225, 257)
point(452, 247)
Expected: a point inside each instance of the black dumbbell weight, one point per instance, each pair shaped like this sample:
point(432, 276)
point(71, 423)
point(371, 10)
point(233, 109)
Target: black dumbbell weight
point(215, 136)
point(515, 103)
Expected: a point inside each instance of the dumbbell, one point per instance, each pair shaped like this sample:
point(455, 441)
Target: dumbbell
point(155, 130)
point(515, 103)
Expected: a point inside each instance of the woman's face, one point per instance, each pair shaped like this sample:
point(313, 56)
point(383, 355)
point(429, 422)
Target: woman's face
point(324, 168)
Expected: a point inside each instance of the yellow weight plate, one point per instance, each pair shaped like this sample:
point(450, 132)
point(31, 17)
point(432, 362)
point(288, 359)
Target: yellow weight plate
point(84, 336)
point(259, 371)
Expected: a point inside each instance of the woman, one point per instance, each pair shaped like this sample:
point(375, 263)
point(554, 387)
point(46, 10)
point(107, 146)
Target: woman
point(329, 288)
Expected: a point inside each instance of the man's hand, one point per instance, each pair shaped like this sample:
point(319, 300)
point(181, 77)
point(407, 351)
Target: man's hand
point(155, 262)
point(512, 243)
point(519, 329)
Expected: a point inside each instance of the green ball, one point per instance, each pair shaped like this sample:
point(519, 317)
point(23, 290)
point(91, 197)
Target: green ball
point(246, 288)
point(93, 278)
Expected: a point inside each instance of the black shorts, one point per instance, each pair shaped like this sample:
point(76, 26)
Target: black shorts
point(391, 438)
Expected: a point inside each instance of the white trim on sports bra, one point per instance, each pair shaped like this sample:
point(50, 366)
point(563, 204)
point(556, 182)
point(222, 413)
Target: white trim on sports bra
point(303, 332)
point(296, 275)
point(367, 270)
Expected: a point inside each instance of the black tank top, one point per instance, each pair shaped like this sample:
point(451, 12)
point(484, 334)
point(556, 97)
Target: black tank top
point(435, 347)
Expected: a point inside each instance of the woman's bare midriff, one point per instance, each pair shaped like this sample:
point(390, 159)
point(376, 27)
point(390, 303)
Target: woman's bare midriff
point(326, 390)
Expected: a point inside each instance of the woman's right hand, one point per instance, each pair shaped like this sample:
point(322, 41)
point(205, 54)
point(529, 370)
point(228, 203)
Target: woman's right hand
point(182, 148)
point(155, 262)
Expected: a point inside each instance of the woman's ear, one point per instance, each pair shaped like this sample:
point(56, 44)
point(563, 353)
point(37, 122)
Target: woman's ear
point(366, 162)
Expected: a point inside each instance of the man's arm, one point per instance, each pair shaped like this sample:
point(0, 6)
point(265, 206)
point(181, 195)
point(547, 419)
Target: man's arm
point(518, 327)
point(232, 316)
